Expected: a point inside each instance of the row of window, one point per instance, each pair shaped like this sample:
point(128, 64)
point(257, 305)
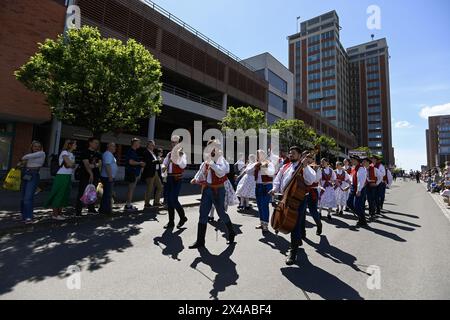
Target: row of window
point(329, 53)
point(329, 113)
point(314, 48)
point(372, 68)
point(375, 126)
point(444, 150)
point(328, 44)
point(277, 102)
point(314, 76)
point(373, 92)
point(372, 60)
point(314, 57)
point(374, 84)
point(313, 67)
point(329, 73)
point(329, 63)
point(444, 141)
point(313, 39)
point(373, 101)
point(375, 144)
point(329, 93)
point(375, 135)
point(329, 82)
point(376, 117)
point(277, 82)
point(374, 109)
point(373, 76)
point(444, 135)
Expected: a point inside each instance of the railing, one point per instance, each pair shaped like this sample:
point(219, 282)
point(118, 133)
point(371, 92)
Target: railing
point(191, 96)
point(183, 24)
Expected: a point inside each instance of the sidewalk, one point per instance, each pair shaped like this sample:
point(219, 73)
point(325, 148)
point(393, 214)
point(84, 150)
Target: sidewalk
point(11, 221)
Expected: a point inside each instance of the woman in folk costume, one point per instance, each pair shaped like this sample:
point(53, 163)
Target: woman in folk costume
point(342, 187)
point(263, 171)
point(212, 176)
point(247, 185)
point(327, 180)
point(230, 195)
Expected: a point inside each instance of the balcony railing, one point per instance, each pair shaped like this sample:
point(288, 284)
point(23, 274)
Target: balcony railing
point(191, 96)
point(197, 33)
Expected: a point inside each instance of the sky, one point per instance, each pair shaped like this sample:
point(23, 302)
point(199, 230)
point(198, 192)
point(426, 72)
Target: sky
point(417, 33)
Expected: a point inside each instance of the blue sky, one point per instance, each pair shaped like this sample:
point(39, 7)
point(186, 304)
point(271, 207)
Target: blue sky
point(417, 33)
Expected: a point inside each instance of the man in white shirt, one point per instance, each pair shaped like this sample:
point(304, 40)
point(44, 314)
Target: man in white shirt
point(211, 176)
point(374, 178)
point(282, 181)
point(175, 163)
point(383, 185)
point(357, 199)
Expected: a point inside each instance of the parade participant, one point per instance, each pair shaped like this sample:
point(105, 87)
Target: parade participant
point(281, 182)
point(342, 187)
point(327, 180)
point(313, 200)
point(174, 164)
point(247, 185)
point(382, 186)
point(357, 198)
point(347, 166)
point(263, 171)
point(374, 178)
point(212, 176)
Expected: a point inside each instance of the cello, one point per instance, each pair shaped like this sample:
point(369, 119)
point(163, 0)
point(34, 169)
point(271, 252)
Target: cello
point(285, 215)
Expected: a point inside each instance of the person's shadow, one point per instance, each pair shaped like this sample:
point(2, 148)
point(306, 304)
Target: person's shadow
point(325, 249)
point(172, 243)
point(310, 278)
point(222, 266)
point(276, 242)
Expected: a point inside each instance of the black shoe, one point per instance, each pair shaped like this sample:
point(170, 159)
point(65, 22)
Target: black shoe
point(231, 233)
point(182, 222)
point(210, 219)
point(341, 213)
point(329, 217)
point(292, 257)
point(319, 229)
point(201, 232)
point(170, 225)
point(361, 223)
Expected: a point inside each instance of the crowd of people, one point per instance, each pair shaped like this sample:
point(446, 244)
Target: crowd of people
point(347, 186)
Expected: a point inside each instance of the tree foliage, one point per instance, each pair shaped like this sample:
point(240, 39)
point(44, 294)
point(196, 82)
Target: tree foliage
point(328, 147)
point(243, 118)
point(294, 132)
point(100, 84)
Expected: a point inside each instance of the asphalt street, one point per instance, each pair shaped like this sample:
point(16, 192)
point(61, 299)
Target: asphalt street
point(405, 254)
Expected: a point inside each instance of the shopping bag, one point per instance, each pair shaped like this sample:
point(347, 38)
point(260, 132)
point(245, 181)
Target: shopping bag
point(12, 181)
point(89, 195)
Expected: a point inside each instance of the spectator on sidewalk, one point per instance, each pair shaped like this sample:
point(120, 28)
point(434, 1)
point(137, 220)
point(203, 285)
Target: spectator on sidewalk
point(31, 163)
point(151, 176)
point(62, 185)
point(163, 175)
point(89, 173)
point(133, 170)
point(108, 174)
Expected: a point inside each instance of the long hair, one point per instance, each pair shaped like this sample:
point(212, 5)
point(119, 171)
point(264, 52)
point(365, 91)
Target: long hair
point(68, 144)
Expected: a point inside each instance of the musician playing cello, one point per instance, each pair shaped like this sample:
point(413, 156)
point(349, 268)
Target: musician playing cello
point(280, 184)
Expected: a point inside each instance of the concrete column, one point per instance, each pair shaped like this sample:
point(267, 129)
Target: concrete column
point(151, 128)
point(225, 102)
point(55, 136)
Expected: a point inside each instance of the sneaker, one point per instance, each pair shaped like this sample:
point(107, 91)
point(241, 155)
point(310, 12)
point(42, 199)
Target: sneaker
point(259, 227)
point(59, 218)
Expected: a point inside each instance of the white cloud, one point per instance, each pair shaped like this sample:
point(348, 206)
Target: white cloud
point(403, 125)
point(439, 110)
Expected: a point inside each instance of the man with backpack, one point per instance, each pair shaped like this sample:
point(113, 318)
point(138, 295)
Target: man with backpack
point(88, 173)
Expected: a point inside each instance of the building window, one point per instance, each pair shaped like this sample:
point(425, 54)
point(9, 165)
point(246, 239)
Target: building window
point(277, 82)
point(277, 102)
point(6, 137)
point(375, 144)
point(271, 119)
point(375, 135)
point(375, 126)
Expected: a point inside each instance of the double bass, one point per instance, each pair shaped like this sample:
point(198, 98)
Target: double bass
point(285, 215)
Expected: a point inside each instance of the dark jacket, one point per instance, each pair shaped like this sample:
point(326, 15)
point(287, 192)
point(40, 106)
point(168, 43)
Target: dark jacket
point(150, 165)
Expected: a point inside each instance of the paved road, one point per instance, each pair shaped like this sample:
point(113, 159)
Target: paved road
point(133, 258)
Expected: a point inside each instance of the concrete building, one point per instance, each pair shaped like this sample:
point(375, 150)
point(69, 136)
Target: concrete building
point(349, 88)
point(281, 86)
point(438, 141)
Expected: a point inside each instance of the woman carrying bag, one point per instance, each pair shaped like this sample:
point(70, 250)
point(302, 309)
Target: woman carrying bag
point(30, 163)
point(60, 194)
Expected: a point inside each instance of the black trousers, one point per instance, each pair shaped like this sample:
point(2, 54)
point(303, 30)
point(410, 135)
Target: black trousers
point(84, 181)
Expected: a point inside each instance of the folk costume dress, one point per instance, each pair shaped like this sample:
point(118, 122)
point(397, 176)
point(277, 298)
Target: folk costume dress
point(328, 196)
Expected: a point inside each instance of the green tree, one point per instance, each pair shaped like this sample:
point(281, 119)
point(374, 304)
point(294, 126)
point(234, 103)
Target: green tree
point(243, 118)
point(100, 84)
point(328, 147)
point(294, 133)
point(364, 149)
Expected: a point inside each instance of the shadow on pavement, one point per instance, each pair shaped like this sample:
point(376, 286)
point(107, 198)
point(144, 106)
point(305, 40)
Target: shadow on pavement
point(26, 256)
point(312, 279)
point(276, 242)
point(172, 243)
point(222, 266)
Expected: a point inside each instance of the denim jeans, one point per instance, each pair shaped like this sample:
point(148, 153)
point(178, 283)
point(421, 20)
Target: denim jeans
point(105, 205)
point(296, 234)
point(357, 204)
point(28, 190)
point(212, 196)
point(263, 199)
point(173, 191)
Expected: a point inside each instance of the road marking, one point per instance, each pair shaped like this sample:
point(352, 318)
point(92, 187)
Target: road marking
point(440, 202)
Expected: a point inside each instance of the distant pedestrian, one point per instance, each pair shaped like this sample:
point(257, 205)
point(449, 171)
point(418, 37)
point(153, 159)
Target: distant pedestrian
point(62, 184)
point(31, 163)
point(133, 169)
point(108, 174)
point(91, 163)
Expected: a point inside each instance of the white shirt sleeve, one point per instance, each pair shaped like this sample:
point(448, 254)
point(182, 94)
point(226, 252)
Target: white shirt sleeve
point(269, 171)
point(318, 175)
point(309, 175)
point(34, 155)
point(166, 161)
point(333, 175)
point(362, 176)
point(277, 182)
point(220, 168)
point(379, 175)
point(200, 176)
point(182, 161)
point(382, 170)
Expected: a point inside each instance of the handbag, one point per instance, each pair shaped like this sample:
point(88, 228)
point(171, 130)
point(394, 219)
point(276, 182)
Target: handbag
point(13, 180)
point(90, 195)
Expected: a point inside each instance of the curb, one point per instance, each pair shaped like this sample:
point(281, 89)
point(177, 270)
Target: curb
point(49, 223)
